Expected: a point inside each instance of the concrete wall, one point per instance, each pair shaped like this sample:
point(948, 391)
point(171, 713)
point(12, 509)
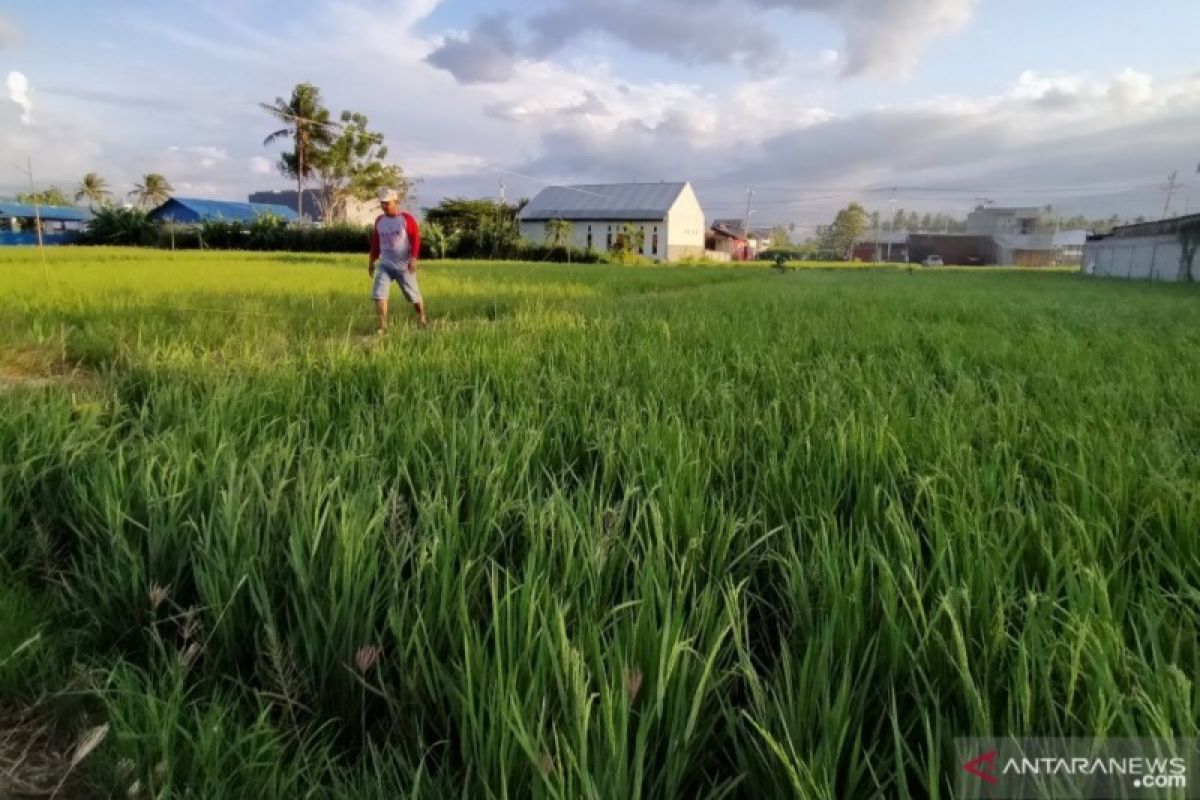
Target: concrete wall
point(679, 252)
point(1142, 257)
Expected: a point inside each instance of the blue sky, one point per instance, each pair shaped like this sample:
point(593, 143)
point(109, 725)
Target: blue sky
point(1086, 105)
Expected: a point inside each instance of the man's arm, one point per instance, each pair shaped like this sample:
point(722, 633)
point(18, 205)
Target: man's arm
point(414, 240)
point(374, 254)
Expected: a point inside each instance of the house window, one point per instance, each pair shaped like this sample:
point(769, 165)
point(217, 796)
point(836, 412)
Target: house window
point(654, 242)
point(608, 241)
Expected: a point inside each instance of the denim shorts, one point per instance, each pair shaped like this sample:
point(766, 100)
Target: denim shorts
point(386, 273)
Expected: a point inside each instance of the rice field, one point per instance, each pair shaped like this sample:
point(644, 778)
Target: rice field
point(599, 532)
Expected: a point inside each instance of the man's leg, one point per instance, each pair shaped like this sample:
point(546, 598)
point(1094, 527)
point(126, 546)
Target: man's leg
point(412, 293)
point(382, 284)
point(382, 311)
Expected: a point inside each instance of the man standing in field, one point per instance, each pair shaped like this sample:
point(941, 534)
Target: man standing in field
point(395, 247)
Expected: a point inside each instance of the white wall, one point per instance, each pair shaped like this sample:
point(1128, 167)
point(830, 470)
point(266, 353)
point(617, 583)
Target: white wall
point(536, 232)
point(1142, 257)
point(686, 222)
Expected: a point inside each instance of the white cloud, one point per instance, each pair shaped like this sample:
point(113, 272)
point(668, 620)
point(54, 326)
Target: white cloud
point(208, 156)
point(259, 165)
point(18, 92)
point(884, 37)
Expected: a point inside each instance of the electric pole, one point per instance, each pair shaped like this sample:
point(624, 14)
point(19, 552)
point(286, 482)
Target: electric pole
point(892, 226)
point(746, 223)
point(37, 213)
point(1170, 192)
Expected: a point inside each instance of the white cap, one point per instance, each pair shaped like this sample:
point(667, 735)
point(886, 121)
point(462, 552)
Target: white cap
point(389, 196)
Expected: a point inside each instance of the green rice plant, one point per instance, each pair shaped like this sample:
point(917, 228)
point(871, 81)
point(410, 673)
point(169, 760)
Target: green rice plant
point(606, 532)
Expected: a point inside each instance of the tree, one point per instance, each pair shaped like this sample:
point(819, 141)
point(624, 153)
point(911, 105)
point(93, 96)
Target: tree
point(460, 215)
point(558, 232)
point(480, 228)
point(913, 222)
point(846, 230)
point(306, 123)
point(120, 226)
point(53, 196)
point(899, 221)
point(781, 237)
point(631, 239)
point(437, 238)
point(154, 190)
point(94, 189)
point(353, 166)
point(927, 222)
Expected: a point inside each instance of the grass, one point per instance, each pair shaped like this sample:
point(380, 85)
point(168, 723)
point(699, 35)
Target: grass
point(601, 532)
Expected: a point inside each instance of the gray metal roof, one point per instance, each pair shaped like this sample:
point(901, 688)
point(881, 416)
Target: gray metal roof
point(609, 201)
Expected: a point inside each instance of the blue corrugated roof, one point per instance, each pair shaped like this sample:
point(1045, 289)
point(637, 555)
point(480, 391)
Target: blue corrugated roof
point(227, 210)
point(26, 210)
point(617, 201)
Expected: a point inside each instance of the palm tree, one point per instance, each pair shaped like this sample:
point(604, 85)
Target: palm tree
point(306, 123)
point(94, 189)
point(152, 191)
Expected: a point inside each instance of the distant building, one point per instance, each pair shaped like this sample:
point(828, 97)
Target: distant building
point(732, 233)
point(955, 249)
point(1164, 250)
point(667, 214)
point(60, 224)
point(1020, 234)
point(992, 221)
point(191, 210)
point(287, 197)
point(728, 237)
point(888, 246)
point(1068, 247)
point(354, 212)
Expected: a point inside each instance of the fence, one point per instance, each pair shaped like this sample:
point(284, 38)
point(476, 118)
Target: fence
point(11, 238)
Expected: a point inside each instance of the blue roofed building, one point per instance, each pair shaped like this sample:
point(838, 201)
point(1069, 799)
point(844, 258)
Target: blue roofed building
point(191, 210)
point(60, 224)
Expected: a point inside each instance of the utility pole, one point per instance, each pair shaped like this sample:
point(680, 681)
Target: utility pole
point(746, 222)
point(892, 226)
point(502, 192)
point(37, 216)
point(1170, 192)
point(875, 256)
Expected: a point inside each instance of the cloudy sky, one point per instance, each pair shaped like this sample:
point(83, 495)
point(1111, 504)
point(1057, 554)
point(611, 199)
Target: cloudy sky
point(1086, 104)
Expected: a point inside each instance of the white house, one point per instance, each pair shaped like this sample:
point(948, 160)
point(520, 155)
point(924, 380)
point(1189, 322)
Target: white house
point(668, 214)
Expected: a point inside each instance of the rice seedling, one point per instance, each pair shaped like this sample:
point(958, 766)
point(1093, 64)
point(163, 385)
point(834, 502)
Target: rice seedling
point(601, 531)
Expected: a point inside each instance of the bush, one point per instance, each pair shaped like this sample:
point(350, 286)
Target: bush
point(120, 226)
point(264, 234)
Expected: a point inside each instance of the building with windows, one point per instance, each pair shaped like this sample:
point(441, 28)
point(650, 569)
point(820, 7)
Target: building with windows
point(660, 221)
point(60, 224)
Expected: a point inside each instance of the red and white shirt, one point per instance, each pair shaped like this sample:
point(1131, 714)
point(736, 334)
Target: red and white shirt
point(396, 241)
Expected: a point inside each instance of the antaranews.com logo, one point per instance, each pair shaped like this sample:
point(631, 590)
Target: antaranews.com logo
point(1091, 769)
